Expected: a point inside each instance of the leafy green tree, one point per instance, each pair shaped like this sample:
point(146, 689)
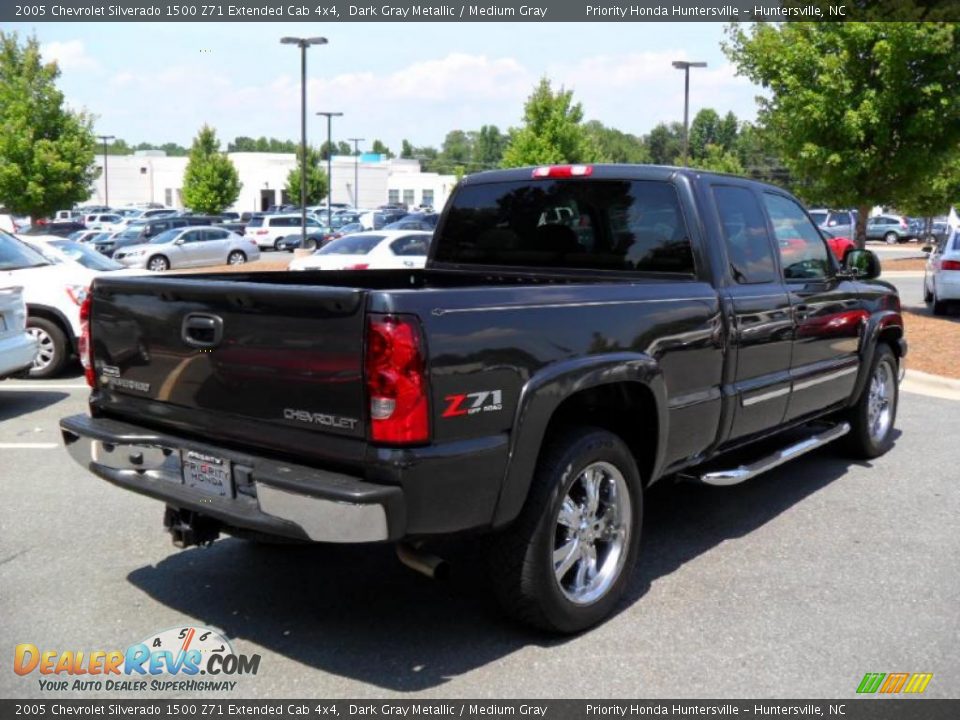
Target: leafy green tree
point(406, 150)
point(704, 130)
point(488, 147)
point(552, 131)
point(381, 149)
point(863, 114)
point(716, 159)
point(616, 146)
point(343, 148)
point(665, 144)
point(316, 179)
point(118, 147)
point(760, 160)
point(727, 131)
point(210, 181)
point(242, 143)
point(46, 151)
point(457, 148)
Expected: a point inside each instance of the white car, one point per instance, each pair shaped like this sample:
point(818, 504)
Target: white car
point(53, 294)
point(941, 277)
point(190, 246)
point(268, 230)
point(373, 250)
point(107, 222)
point(17, 346)
point(59, 250)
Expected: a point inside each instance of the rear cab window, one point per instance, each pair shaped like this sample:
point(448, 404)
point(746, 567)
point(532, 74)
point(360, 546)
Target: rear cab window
point(625, 225)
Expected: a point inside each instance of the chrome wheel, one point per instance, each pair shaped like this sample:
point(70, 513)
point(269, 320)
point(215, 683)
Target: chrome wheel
point(46, 348)
point(236, 258)
point(880, 402)
point(158, 264)
point(592, 533)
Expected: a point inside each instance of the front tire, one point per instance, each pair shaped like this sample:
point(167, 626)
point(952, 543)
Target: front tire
point(872, 418)
point(53, 348)
point(158, 263)
point(565, 563)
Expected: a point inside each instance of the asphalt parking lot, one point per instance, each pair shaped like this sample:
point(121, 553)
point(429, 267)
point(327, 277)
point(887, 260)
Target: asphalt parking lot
point(794, 584)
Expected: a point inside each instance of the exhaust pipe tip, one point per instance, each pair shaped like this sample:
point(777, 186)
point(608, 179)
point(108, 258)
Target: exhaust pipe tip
point(425, 563)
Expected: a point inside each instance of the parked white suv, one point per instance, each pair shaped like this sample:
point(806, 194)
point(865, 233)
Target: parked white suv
point(17, 346)
point(107, 222)
point(53, 294)
point(268, 230)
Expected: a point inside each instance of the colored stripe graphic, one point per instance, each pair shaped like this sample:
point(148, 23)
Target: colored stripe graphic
point(894, 682)
point(918, 682)
point(871, 682)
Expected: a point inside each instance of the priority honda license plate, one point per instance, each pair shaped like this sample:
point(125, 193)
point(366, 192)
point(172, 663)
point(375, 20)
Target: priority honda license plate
point(207, 473)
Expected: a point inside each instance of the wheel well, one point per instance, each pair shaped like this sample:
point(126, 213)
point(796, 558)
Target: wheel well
point(619, 408)
point(891, 336)
point(57, 319)
point(158, 255)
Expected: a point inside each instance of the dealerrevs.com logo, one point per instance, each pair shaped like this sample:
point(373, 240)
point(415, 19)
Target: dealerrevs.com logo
point(174, 660)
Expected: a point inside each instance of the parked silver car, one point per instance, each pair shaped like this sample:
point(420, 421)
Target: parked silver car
point(189, 247)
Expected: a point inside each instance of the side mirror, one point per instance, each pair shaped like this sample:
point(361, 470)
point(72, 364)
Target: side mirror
point(863, 264)
point(927, 249)
point(178, 241)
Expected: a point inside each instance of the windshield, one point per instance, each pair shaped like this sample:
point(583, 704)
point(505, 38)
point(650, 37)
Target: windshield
point(15, 255)
point(167, 236)
point(351, 245)
point(84, 255)
point(819, 217)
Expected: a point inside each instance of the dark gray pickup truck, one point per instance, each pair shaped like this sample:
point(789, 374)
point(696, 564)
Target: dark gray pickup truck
point(579, 333)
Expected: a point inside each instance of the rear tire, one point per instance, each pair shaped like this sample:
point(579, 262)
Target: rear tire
point(565, 562)
point(237, 257)
point(53, 350)
point(277, 244)
point(939, 306)
point(873, 417)
point(891, 238)
point(927, 295)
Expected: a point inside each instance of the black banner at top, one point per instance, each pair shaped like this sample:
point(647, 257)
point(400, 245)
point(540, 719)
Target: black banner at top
point(35, 11)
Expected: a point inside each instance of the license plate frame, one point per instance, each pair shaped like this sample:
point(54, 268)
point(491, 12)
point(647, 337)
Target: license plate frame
point(208, 474)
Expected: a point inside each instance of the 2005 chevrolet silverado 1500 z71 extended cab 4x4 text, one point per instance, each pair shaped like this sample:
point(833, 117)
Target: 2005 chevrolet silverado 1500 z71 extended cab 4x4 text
point(579, 332)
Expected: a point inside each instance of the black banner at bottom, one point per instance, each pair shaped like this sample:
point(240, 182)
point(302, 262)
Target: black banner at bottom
point(874, 708)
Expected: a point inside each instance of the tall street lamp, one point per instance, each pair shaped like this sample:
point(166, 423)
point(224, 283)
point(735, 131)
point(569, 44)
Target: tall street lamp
point(685, 65)
point(303, 44)
point(356, 169)
point(329, 116)
point(106, 176)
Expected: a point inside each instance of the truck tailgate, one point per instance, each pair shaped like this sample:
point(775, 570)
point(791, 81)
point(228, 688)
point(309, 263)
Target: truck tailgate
point(287, 355)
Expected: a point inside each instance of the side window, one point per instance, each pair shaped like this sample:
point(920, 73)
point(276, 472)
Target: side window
point(745, 233)
point(803, 253)
point(192, 236)
point(215, 234)
point(842, 218)
point(410, 245)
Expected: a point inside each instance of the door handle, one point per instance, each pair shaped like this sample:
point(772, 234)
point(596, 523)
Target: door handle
point(201, 330)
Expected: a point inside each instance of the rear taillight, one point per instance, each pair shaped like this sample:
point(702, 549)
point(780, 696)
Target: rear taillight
point(950, 265)
point(903, 223)
point(562, 171)
point(396, 381)
point(358, 266)
point(84, 344)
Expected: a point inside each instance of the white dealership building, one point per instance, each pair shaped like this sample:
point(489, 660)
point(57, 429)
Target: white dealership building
point(150, 176)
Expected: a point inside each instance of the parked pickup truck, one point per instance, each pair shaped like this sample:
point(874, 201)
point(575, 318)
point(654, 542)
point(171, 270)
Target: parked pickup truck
point(578, 333)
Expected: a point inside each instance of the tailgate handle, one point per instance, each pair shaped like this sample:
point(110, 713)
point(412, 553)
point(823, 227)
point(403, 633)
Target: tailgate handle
point(202, 330)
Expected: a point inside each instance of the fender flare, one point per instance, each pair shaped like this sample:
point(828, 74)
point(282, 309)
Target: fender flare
point(543, 393)
point(876, 324)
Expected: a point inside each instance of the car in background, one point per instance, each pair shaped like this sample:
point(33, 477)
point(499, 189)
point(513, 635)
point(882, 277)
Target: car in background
point(345, 230)
point(843, 222)
point(142, 231)
point(103, 221)
point(941, 276)
point(269, 230)
point(892, 229)
point(189, 247)
point(314, 240)
point(839, 244)
point(17, 346)
point(67, 216)
point(53, 293)
point(9, 223)
point(151, 213)
point(427, 223)
point(82, 236)
point(62, 229)
point(383, 250)
point(59, 250)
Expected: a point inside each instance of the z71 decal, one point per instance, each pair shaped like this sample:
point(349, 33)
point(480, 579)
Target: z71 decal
point(473, 403)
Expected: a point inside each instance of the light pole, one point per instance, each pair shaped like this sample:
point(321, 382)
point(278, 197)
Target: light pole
point(329, 116)
point(106, 176)
point(356, 169)
point(303, 44)
point(685, 65)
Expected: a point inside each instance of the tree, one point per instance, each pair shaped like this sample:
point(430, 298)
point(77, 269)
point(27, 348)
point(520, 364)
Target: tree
point(716, 159)
point(862, 113)
point(46, 151)
point(488, 147)
point(552, 131)
point(704, 130)
point(727, 131)
point(381, 149)
point(316, 178)
point(457, 148)
point(210, 182)
point(665, 143)
point(406, 150)
point(616, 146)
point(242, 143)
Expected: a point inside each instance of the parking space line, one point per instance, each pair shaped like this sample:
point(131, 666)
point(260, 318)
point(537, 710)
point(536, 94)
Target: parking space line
point(43, 387)
point(28, 446)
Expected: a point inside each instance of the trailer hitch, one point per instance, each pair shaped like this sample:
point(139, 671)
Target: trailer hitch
point(188, 528)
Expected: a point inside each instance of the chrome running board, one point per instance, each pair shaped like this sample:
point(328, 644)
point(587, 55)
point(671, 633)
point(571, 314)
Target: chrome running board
point(745, 472)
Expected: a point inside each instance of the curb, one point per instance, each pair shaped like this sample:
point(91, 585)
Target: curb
point(916, 381)
point(902, 274)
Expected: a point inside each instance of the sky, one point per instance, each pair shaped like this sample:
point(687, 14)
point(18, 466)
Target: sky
point(159, 82)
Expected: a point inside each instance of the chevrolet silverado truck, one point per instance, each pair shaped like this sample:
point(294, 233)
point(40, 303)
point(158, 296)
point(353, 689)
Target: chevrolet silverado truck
point(579, 333)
